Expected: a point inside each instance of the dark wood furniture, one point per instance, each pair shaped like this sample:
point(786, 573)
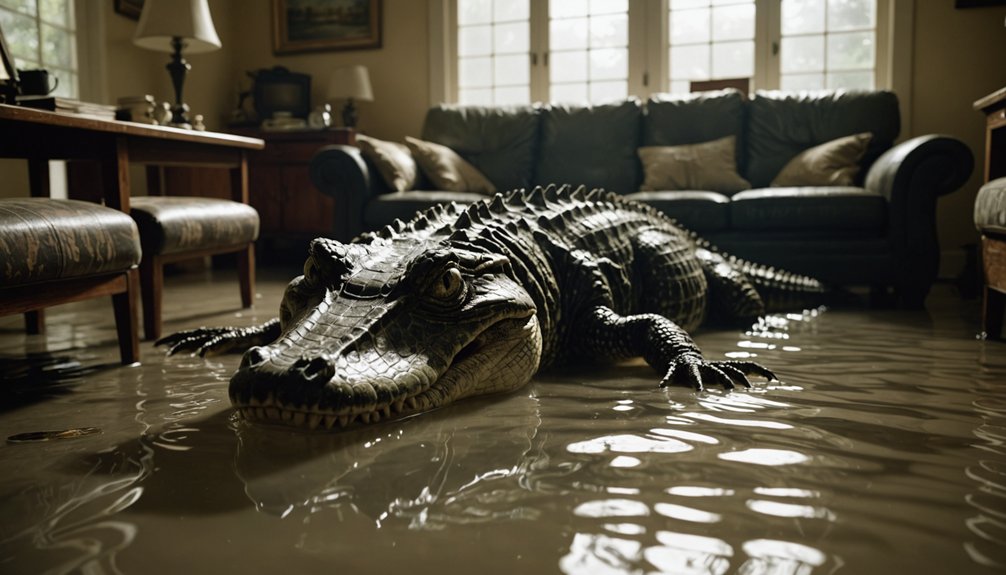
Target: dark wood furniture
point(39, 136)
point(993, 247)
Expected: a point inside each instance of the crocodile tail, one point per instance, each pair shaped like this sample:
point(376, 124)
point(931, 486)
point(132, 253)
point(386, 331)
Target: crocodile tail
point(782, 290)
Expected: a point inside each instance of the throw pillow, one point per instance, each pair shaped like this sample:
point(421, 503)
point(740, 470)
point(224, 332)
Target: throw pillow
point(833, 163)
point(393, 161)
point(447, 170)
point(709, 166)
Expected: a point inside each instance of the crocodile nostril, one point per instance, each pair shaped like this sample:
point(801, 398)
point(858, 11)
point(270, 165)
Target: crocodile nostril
point(254, 357)
point(314, 368)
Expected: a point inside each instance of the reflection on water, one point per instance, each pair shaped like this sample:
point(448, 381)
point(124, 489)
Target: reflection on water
point(880, 451)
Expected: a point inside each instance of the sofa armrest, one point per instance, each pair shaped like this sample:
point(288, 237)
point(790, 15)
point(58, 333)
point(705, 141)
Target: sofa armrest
point(912, 176)
point(341, 172)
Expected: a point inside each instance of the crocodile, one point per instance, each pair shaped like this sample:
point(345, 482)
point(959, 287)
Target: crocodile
point(464, 301)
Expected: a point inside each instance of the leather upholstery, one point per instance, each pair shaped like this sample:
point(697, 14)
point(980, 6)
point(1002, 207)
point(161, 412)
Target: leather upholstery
point(679, 119)
point(501, 142)
point(43, 239)
point(385, 208)
point(593, 146)
point(170, 224)
point(698, 211)
point(783, 124)
point(990, 208)
point(809, 208)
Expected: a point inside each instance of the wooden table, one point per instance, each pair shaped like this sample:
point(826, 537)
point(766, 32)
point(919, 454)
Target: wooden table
point(39, 136)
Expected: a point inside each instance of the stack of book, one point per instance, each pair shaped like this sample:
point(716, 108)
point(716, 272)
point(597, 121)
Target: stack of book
point(69, 106)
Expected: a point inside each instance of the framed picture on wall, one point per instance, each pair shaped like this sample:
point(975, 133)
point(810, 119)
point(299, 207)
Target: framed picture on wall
point(318, 25)
point(129, 8)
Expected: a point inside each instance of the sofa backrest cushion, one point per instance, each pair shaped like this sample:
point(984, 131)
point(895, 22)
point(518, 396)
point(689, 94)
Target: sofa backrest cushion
point(500, 141)
point(783, 124)
point(680, 119)
point(594, 146)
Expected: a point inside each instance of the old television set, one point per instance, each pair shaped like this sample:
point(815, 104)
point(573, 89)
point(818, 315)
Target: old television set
point(280, 90)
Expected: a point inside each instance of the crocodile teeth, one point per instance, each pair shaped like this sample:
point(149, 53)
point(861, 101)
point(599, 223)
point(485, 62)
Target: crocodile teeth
point(364, 417)
point(399, 405)
point(386, 411)
point(314, 420)
point(287, 415)
point(299, 418)
point(272, 413)
point(343, 420)
point(411, 402)
point(260, 413)
point(330, 421)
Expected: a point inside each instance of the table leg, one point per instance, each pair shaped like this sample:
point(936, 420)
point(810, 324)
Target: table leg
point(115, 175)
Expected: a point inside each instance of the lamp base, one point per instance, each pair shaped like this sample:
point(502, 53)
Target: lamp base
point(178, 68)
point(349, 115)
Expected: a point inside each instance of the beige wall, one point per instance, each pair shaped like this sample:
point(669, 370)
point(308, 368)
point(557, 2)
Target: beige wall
point(956, 60)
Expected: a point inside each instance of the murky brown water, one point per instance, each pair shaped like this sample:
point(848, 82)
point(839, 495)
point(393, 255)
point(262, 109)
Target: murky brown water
point(883, 450)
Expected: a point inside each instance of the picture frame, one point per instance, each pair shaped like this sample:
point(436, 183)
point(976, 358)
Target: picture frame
point(129, 8)
point(325, 25)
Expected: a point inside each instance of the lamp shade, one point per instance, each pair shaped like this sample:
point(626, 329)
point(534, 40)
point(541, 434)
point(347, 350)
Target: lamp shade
point(163, 20)
point(351, 82)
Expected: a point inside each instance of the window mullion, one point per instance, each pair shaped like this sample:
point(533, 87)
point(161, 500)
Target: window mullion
point(768, 37)
point(539, 51)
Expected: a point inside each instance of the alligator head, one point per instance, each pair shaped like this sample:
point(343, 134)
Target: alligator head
point(387, 329)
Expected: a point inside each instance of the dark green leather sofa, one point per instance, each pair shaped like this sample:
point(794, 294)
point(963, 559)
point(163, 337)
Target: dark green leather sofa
point(879, 232)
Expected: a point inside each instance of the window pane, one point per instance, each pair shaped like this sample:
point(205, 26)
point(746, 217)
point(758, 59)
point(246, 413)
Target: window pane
point(608, 91)
point(475, 40)
point(609, 64)
point(679, 86)
point(512, 38)
point(733, 59)
point(802, 54)
point(851, 14)
point(609, 6)
point(509, 10)
point(734, 22)
point(569, 93)
point(474, 12)
point(685, 4)
point(479, 96)
point(568, 66)
point(25, 6)
point(690, 62)
point(474, 72)
point(512, 95)
point(57, 12)
point(568, 8)
point(851, 80)
point(511, 70)
point(849, 51)
point(57, 47)
point(568, 34)
point(802, 16)
point(797, 82)
point(22, 37)
point(609, 31)
point(689, 26)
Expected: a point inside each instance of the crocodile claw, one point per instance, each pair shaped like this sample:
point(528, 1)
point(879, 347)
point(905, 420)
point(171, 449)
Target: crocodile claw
point(696, 372)
point(210, 341)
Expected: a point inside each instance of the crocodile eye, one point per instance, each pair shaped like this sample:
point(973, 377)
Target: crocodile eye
point(449, 285)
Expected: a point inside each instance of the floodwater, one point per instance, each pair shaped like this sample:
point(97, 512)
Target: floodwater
point(882, 450)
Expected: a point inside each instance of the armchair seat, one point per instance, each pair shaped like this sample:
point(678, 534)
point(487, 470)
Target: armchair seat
point(990, 220)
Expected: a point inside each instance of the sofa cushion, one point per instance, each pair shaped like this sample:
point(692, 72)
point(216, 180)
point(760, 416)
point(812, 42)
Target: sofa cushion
point(808, 208)
point(500, 141)
point(834, 163)
point(707, 166)
point(696, 210)
point(783, 124)
point(384, 208)
point(677, 119)
point(446, 169)
point(594, 146)
point(393, 161)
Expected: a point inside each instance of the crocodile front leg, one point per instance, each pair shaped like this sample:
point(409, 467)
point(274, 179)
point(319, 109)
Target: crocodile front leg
point(209, 341)
point(664, 345)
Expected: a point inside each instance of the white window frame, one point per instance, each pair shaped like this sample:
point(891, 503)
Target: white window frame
point(648, 66)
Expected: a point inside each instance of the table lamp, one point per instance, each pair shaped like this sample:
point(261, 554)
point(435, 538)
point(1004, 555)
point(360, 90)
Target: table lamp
point(350, 83)
point(177, 26)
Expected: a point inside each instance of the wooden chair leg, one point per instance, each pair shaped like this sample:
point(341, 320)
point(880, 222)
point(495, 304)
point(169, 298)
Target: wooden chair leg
point(152, 285)
point(246, 274)
point(34, 322)
point(126, 324)
point(993, 307)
